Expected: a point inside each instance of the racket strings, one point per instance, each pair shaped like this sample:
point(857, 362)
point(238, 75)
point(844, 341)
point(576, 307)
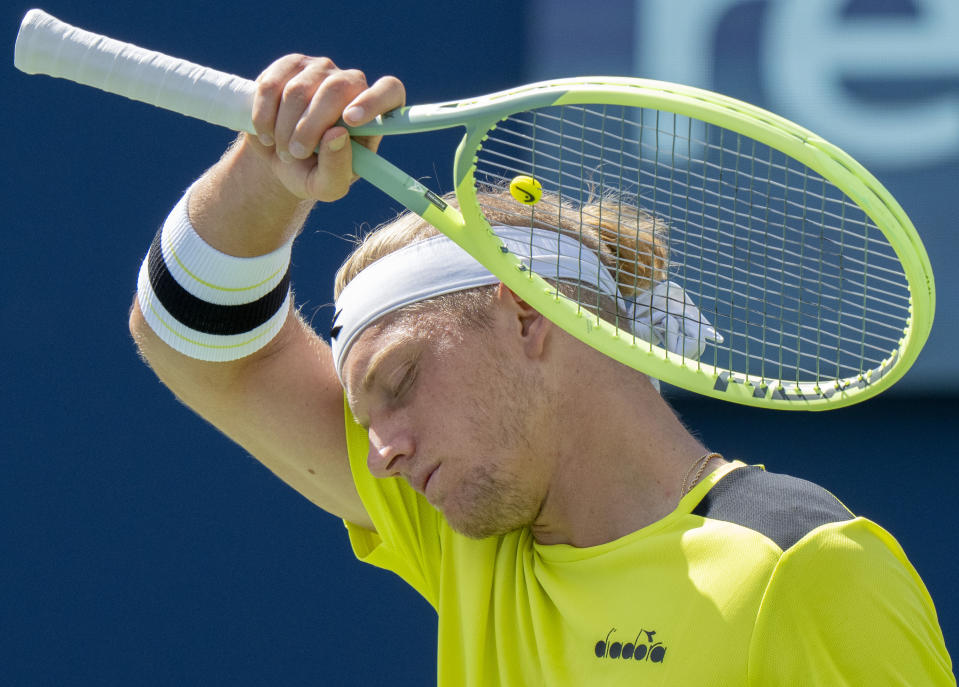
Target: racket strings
point(795, 276)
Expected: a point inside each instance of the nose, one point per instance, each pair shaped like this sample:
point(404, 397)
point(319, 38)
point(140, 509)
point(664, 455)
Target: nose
point(390, 451)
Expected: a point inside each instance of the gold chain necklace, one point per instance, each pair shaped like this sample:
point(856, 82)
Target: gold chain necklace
point(702, 463)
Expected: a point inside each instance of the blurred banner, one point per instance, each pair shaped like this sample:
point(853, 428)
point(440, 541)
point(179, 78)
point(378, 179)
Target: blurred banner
point(879, 78)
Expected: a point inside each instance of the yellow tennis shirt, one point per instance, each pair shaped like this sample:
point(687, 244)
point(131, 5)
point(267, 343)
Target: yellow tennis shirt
point(754, 579)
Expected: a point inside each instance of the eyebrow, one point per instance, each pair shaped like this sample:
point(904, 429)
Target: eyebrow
point(378, 358)
point(376, 362)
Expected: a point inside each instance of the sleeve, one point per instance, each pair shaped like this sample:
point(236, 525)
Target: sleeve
point(408, 528)
point(845, 607)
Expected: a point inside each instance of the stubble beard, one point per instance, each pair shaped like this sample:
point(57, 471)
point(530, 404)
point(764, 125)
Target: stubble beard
point(490, 506)
point(500, 496)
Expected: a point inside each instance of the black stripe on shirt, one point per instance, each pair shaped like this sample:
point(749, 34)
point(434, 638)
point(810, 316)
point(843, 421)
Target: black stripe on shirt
point(783, 508)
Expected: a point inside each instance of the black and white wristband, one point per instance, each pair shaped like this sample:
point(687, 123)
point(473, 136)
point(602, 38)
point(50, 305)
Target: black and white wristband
point(206, 304)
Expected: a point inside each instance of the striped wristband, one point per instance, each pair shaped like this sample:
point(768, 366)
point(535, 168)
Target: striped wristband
point(206, 304)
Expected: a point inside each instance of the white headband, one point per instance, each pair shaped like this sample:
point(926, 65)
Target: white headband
point(436, 266)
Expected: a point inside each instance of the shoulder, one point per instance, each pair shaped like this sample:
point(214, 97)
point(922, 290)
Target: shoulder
point(842, 604)
point(781, 508)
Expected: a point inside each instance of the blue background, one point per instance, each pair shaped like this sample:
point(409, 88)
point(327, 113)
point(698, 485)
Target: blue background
point(137, 545)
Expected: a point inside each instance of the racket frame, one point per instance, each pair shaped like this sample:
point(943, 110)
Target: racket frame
point(470, 229)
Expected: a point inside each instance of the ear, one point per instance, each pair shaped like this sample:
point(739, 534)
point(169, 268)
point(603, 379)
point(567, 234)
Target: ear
point(526, 321)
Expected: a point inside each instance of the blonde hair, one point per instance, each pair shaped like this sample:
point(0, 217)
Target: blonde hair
point(629, 241)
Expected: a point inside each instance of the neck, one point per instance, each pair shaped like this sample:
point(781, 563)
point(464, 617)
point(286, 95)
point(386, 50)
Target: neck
point(619, 469)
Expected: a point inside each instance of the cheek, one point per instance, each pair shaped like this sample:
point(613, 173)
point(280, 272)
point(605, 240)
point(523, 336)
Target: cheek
point(470, 406)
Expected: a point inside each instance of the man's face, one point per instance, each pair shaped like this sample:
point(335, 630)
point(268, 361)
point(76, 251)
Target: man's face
point(456, 415)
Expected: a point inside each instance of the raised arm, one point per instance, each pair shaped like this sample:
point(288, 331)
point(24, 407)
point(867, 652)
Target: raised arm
point(282, 402)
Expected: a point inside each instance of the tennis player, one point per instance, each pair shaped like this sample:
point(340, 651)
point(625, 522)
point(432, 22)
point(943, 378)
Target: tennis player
point(564, 524)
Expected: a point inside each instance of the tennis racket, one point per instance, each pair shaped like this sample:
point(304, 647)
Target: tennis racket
point(809, 269)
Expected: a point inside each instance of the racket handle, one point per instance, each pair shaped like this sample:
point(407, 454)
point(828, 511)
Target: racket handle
point(46, 45)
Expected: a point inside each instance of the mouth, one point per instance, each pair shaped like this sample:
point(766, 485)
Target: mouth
point(423, 482)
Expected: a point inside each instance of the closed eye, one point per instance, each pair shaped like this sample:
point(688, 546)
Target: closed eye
point(406, 381)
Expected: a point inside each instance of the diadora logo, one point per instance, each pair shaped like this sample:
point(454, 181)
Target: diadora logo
point(644, 647)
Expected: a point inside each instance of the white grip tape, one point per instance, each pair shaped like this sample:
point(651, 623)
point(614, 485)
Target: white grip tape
point(46, 45)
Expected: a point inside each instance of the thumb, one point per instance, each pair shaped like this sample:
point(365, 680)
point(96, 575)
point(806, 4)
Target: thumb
point(330, 179)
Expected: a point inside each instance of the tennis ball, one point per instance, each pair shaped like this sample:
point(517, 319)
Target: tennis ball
point(526, 189)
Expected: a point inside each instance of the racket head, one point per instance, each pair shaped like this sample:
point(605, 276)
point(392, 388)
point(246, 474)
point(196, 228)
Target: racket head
point(804, 263)
point(832, 309)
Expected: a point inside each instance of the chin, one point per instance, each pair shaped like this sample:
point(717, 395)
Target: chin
point(488, 505)
point(478, 523)
point(480, 530)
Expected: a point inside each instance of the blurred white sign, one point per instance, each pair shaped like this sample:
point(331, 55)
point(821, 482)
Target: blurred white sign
point(809, 52)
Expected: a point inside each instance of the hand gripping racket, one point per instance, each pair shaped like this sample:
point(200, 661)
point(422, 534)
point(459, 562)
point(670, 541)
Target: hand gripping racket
point(812, 274)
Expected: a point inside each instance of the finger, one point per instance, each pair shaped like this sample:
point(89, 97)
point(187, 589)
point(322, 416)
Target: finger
point(324, 110)
point(296, 99)
point(330, 179)
point(269, 90)
point(386, 94)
